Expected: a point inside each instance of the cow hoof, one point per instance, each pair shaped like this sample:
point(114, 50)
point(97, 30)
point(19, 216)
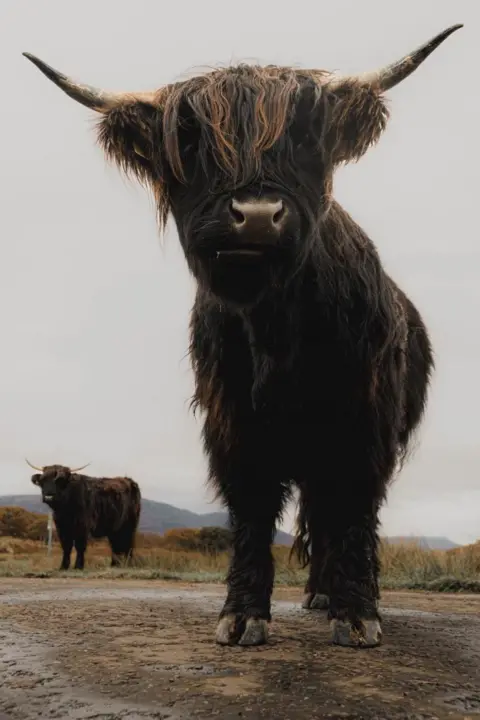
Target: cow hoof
point(367, 634)
point(229, 631)
point(225, 633)
point(315, 601)
point(255, 633)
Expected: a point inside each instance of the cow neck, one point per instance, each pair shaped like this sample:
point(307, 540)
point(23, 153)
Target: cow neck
point(272, 330)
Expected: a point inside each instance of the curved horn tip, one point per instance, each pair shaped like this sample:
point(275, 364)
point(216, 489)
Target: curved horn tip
point(47, 69)
point(34, 467)
point(457, 26)
point(393, 74)
point(87, 95)
point(82, 467)
point(447, 32)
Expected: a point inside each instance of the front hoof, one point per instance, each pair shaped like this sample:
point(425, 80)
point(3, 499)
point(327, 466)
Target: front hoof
point(226, 632)
point(364, 634)
point(235, 630)
point(315, 601)
point(255, 633)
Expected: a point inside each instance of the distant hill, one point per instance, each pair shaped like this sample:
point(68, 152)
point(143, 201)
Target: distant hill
point(429, 543)
point(156, 517)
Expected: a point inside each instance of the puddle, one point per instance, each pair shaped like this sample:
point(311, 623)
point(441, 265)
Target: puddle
point(31, 689)
point(465, 702)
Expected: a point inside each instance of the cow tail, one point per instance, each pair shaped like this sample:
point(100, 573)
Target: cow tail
point(302, 541)
point(135, 501)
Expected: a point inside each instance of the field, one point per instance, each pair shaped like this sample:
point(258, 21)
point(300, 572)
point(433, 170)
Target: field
point(403, 566)
point(137, 642)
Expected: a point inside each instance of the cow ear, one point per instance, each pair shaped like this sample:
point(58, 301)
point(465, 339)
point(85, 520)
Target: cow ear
point(126, 135)
point(358, 116)
point(36, 479)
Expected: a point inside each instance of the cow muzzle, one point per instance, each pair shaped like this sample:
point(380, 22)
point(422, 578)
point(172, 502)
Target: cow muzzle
point(257, 226)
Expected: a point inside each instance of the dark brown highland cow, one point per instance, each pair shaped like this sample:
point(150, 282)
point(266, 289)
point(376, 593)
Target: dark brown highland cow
point(311, 365)
point(87, 507)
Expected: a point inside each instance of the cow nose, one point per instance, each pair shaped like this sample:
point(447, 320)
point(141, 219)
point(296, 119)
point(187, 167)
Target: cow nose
point(258, 214)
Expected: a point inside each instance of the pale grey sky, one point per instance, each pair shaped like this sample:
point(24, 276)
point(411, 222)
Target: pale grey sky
point(94, 309)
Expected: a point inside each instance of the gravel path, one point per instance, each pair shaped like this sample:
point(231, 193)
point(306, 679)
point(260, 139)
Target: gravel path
point(77, 649)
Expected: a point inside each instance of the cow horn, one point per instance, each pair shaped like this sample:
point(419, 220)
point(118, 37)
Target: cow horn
point(386, 78)
point(91, 97)
point(34, 467)
point(82, 467)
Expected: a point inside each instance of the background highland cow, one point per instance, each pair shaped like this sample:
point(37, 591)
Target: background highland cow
point(86, 507)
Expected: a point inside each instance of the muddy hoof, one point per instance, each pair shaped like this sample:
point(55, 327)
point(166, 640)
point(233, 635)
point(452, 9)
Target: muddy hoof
point(233, 630)
point(315, 601)
point(367, 635)
point(255, 633)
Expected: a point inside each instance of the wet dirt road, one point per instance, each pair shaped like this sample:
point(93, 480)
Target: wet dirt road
point(78, 649)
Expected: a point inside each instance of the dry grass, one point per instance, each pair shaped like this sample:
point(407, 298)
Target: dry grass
point(403, 566)
point(410, 566)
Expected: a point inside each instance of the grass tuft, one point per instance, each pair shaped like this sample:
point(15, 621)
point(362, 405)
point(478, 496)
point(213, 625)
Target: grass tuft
point(406, 566)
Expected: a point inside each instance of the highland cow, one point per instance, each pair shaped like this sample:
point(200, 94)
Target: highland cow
point(87, 507)
point(311, 365)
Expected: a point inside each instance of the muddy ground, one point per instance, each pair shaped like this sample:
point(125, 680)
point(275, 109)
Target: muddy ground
point(79, 648)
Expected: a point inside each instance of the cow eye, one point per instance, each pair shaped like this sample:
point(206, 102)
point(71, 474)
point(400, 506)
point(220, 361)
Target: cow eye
point(138, 151)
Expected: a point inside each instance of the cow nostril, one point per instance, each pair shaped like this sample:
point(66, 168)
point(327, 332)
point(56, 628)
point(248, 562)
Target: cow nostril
point(279, 214)
point(259, 213)
point(236, 213)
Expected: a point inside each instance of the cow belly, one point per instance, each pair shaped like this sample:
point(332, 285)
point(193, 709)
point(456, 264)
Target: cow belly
point(99, 532)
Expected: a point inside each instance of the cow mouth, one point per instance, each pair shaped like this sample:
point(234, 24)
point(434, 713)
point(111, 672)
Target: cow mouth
point(248, 252)
point(48, 498)
point(252, 251)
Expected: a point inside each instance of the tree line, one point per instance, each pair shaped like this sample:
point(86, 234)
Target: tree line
point(19, 523)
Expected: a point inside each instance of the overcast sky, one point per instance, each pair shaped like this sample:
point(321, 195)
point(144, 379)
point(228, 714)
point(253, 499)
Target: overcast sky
point(95, 307)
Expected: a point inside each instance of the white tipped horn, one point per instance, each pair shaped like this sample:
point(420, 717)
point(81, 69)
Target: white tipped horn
point(82, 467)
point(92, 97)
point(391, 75)
point(34, 467)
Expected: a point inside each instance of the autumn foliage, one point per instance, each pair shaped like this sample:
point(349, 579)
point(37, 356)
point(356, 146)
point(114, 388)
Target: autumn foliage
point(21, 524)
point(210, 540)
point(18, 523)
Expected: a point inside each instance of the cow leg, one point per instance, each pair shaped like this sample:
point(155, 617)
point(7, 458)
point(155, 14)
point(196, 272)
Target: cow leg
point(114, 545)
point(80, 547)
point(352, 570)
point(67, 545)
point(310, 547)
point(66, 541)
point(316, 591)
point(127, 542)
point(121, 543)
point(338, 521)
point(255, 501)
point(351, 565)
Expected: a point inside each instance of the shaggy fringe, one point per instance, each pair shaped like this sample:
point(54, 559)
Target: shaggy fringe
point(242, 113)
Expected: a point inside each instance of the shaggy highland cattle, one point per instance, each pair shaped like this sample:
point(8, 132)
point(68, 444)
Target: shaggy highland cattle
point(87, 507)
point(311, 365)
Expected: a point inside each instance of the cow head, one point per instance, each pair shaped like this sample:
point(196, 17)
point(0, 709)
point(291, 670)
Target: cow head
point(243, 158)
point(53, 481)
